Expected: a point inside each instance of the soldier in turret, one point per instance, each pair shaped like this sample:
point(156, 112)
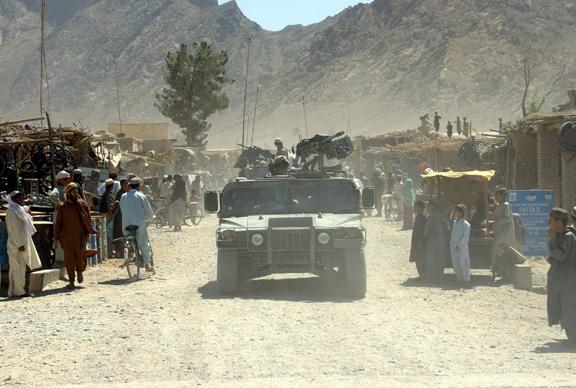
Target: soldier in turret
point(280, 150)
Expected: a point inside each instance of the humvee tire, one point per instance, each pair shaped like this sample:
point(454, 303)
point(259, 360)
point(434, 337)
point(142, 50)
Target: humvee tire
point(354, 275)
point(227, 271)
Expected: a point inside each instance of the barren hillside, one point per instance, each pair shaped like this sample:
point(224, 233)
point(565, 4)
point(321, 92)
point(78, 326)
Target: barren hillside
point(373, 67)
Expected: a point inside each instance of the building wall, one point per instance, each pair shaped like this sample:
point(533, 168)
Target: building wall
point(548, 162)
point(141, 130)
point(568, 180)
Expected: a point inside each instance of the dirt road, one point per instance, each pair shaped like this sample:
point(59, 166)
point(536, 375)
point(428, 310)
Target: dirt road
point(176, 330)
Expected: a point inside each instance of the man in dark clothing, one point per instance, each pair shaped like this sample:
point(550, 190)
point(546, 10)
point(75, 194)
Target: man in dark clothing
point(449, 129)
point(117, 225)
point(418, 245)
point(561, 283)
point(78, 178)
point(437, 118)
point(458, 125)
point(178, 202)
point(378, 183)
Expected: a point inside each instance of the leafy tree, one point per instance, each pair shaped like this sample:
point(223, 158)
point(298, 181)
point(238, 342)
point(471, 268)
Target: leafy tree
point(195, 82)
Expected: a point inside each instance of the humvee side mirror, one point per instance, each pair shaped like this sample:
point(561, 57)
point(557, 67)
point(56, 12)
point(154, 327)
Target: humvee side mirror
point(211, 202)
point(368, 198)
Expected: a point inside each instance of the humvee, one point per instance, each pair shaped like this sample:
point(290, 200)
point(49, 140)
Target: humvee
point(291, 224)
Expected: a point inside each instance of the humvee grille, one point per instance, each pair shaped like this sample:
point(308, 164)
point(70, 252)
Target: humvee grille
point(290, 239)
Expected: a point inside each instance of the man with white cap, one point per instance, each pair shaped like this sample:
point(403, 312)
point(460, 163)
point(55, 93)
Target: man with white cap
point(57, 198)
point(21, 250)
point(115, 189)
point(136, 210)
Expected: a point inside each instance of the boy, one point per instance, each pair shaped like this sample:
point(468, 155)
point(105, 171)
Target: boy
point(459, 245)
point(561, 284)
point(418, 245)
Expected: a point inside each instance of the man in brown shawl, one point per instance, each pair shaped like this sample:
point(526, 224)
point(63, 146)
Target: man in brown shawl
point(72, 229)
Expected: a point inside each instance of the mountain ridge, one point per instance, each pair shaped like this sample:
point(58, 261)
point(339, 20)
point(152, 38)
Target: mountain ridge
point(371, 68)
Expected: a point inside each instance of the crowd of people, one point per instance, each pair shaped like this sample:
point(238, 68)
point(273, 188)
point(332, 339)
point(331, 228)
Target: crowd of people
point(122, 201)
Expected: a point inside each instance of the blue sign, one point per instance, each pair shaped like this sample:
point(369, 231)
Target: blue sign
point(534, 208)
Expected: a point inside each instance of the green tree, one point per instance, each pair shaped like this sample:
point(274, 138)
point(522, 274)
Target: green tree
point(195, 82)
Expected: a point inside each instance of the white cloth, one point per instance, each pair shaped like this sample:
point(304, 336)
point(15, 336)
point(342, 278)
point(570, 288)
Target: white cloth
point(22, 213)
point(165, 190)
point(460, 258)
point(136, 210)
point(19, 237)
point(115, 190)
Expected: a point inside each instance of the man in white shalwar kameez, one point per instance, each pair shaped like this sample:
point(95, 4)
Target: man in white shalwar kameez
point(21, 250)
point(136, 210)
point(459, 245)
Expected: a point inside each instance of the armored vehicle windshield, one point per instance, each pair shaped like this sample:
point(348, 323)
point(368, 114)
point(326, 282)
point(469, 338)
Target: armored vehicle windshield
point(290, 197)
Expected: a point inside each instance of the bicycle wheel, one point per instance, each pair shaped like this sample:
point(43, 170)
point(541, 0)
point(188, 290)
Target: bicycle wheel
point(159, 219)
point(388, 210)
point(131, 260)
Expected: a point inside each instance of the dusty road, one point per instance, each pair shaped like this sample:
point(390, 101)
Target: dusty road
point(175, 329)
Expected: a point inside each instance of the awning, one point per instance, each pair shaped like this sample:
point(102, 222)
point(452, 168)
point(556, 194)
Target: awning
point(486, 175)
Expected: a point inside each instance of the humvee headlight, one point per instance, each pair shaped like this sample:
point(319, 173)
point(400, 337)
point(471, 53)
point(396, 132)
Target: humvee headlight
point(323, 238)
point(257, 239)
point(229, 234)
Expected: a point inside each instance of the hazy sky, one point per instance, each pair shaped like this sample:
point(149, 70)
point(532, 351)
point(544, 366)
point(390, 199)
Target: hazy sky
point(276, 14)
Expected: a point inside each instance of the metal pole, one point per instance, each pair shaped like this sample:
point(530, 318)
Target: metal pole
point(118, 95)
point(42, 8)
point(246, 95)
point(254, 118)
point(305, 116)
point(50, 140)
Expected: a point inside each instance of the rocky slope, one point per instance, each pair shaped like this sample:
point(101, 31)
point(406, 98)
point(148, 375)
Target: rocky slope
point(372, 68)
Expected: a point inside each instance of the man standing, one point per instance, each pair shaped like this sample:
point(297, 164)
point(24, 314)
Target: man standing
point(56, 196)
point(378, 183)
point(459, 245)
point(107, 207)
point(178, 202)
point(449, 129)
point(165, 189)
point(72, 229)
point(465, 127)
point(418, 242)
point(114, 176)
point(78, 178)
point(436, 234)
point(504, 233)
point(458, 125)
point(561, 284)
point(437, 118)
point(136, 210)
point(21, 250)
point(117, 231)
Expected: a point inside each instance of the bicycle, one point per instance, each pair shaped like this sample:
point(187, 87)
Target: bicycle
point(132, 256)
point(391, 208)
point(195, 213)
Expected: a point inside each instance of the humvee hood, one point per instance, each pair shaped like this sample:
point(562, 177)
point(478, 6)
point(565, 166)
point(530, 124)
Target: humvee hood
point(324, 220)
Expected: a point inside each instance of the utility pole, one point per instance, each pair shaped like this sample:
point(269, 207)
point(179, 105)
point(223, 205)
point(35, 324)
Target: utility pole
point(254, 118)
point(244, 137)
point(42, 9)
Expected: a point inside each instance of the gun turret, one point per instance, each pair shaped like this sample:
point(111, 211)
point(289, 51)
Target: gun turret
point(321, 146)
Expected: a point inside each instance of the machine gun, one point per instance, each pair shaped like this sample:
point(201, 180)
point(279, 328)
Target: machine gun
point(251, 155)
point(331, 147)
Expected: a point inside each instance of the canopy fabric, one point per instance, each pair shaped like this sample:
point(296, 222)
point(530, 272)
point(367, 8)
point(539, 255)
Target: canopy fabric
point(486, 175)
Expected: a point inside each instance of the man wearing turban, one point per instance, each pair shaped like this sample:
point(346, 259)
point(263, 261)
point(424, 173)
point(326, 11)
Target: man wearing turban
point(72, 229)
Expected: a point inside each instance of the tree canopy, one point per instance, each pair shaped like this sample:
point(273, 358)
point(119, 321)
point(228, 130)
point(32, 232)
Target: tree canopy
point(194, 92)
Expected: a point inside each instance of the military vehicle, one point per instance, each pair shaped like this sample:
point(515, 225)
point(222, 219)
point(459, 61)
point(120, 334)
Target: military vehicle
point(308, 221)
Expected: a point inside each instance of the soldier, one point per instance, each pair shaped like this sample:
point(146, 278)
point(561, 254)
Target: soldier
point(437, 118)
point(280, 150)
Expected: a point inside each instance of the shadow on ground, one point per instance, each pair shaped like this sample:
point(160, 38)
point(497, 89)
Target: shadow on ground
point(558, 346)
point(449, 282)
point(307, 290)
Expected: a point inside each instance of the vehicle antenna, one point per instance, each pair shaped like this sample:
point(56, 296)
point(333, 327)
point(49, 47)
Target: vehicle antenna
point(254, 118)
point(244, 137)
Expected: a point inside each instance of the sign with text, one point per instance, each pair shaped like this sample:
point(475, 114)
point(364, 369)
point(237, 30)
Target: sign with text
point(534, 208)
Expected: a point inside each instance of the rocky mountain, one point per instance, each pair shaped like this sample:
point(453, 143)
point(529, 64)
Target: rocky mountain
point(372, 68)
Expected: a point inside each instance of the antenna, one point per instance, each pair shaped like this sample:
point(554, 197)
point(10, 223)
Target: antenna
point(118, 94)
point(42, 9)
point(246, 93)
point(254, 118)
point(305, 116)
